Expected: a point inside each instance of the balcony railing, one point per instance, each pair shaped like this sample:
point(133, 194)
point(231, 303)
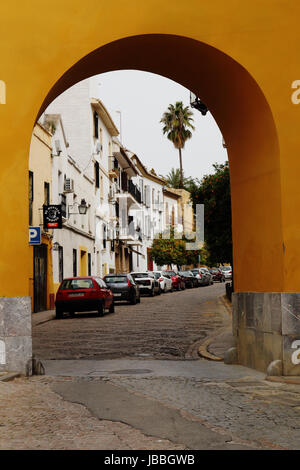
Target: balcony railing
point(134, 191)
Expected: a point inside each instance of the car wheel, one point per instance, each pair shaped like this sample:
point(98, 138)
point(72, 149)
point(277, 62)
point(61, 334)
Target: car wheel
point(133, 299)
point(72, 313)
point(112, 308)
point(59, 313)
point(100, 310)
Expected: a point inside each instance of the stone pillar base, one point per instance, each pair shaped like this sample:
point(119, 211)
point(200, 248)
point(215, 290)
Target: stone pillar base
point(267, 329)
point(15, 335)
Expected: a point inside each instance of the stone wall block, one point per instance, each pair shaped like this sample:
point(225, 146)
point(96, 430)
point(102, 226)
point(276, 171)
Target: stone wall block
point(258, 311)
point(249, 307)
point(18, 353)
point(15, 316)
point(290, 305)
point(246, 347)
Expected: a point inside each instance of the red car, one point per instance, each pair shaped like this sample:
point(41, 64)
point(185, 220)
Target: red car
point(83, 294)
point(177, 281)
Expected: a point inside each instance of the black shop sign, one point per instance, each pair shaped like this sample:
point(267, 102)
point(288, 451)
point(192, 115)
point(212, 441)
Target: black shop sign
point(52, 216)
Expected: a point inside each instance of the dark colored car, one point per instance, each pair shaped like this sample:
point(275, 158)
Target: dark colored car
point(217, 275)
point(83, 294)
point(189, 279)
point(177, 281)
point(123, 287)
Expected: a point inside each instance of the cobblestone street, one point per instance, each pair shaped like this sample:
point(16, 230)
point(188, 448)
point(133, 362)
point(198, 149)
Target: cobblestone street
point(132, 380)
point(161, 327)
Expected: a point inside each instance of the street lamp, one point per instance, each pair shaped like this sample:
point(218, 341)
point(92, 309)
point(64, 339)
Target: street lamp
point(82, 208)
point(196, 103)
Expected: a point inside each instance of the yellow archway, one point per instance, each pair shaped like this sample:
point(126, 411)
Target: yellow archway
point(226, 56)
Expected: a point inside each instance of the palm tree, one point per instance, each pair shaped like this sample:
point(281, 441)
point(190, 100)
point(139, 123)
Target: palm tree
point(173, 178)
point(177, 122)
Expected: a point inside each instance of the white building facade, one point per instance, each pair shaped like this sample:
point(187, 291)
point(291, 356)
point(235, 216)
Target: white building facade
point(81, 172)
point(159, 210)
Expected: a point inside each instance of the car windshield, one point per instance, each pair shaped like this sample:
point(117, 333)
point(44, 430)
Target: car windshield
point(77, 284)
point(171, 273)
point(115, 279)
point(157, 275)
point(226, 268)
point(140, 275)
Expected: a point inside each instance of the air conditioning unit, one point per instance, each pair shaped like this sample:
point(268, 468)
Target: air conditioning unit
point(58, 147)
point(111, 193)
point(69, 185)
point(98, 147)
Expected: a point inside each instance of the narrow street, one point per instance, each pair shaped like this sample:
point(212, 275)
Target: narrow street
point(160, 327)
point(132, 380)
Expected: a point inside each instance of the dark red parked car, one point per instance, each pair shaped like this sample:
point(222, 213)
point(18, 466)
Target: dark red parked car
point(83, 294)
point(177, 281)
point(217, 275)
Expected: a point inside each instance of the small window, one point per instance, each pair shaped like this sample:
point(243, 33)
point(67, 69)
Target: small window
point(89, 264)
point(63, 205)
point(46, 194)
point(74, 263)
point(97, 175)
point(96, 125)
point(104, 236)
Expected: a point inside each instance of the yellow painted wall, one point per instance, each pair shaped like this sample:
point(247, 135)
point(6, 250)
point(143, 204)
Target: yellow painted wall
point(83, 259)
point(240, 57)
point(40, 165)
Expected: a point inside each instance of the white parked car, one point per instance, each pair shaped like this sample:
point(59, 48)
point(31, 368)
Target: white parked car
point(146, 282)
point(227, 271)
point(165, 281)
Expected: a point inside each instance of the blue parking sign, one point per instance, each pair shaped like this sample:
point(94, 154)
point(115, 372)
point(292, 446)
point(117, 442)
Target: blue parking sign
point(35, 236)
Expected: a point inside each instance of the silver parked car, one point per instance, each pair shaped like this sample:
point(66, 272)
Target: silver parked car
point(208, 275)
point(227, 271)
point(199, 276)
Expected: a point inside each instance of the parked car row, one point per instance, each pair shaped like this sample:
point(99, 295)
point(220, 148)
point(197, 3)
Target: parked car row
point(91, 293)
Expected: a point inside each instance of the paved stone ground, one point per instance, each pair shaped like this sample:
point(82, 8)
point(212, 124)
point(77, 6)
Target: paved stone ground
point(162, 327)
point(218, 406)
point(33, 417)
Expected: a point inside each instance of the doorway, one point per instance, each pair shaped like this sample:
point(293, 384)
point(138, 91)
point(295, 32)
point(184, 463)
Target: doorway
point(40, 278)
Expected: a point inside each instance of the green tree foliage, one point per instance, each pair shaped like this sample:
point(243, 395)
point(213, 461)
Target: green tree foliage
point(214, 192)
point(172, 251)
point(173, 180)
point(177, 122)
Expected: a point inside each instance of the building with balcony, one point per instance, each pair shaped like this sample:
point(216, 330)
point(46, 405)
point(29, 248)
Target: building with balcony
point(126, 197)
point(73, 244)
point(40, 190)
point(90, 130)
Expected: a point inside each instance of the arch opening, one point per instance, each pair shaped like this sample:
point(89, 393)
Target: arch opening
point(246, 122)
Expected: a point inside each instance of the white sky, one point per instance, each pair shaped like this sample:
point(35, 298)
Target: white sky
point(142, 98)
